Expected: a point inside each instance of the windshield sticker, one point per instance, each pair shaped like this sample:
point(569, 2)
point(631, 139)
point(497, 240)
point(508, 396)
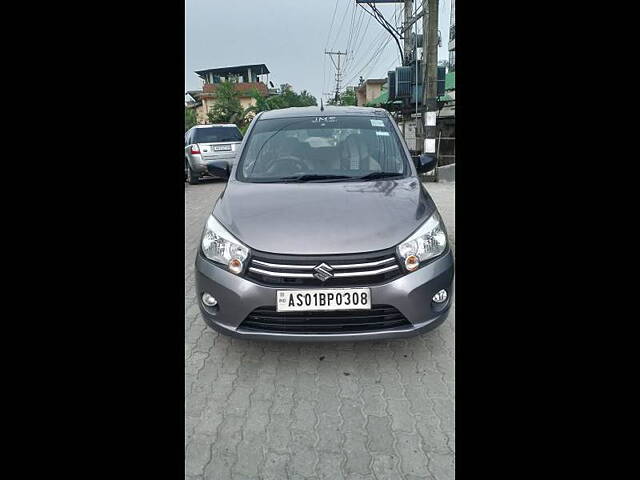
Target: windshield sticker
point(377, 123)
point(382, 134)
point(324, 120)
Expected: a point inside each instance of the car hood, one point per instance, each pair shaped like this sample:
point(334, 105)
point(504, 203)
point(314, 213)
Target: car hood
point(323, 218)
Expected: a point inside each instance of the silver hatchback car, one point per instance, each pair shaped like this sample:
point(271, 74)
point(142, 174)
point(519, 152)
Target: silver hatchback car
point(324, 232)
point(206, 143)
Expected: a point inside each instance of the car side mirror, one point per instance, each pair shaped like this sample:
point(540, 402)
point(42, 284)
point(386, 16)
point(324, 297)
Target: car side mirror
point(219, 168)
point(425, 162)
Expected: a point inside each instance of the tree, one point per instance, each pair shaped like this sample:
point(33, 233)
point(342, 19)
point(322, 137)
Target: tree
point(190, 118)
point(346, 98)
point(287, 98)
point(226, 105)
point(292, 99)
point(307, 100)
point(264, 103)
point(227, 108)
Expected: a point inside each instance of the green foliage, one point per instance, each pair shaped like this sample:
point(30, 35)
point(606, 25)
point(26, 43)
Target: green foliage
point(264, 103)
point(243, 128)
point(293, 99)
point(346, 98)
point(190, 118)
point(226, 107)
point(306, 99)
point(288, 98)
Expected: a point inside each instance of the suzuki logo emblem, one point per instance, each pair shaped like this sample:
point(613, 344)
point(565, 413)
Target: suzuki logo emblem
point(323, 272)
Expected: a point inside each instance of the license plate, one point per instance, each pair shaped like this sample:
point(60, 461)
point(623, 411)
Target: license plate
point(323, 299)
point(222, 148)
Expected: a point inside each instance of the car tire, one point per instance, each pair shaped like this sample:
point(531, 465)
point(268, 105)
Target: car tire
point(192, 177)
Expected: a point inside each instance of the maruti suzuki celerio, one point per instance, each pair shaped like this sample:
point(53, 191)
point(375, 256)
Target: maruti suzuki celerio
point(324, 232)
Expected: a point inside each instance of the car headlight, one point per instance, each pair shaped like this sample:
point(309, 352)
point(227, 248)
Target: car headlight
point(222, 247)
point(427, 242)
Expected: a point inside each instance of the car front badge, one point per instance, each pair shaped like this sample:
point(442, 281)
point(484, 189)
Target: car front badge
point(323, 272)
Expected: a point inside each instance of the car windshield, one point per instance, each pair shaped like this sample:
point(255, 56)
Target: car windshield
point(340, 148)
point(217, 134)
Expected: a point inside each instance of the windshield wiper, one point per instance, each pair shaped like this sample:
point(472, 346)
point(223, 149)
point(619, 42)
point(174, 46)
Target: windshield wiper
point(310, 177)
point(378, 175)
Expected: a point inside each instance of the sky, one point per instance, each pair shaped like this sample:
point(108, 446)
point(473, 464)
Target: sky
point(290, 37)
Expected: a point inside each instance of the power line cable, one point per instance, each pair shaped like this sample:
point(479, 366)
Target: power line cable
point(352, 32)
point(375, 63)
point(351, 61)
point(339, 31)
point(349, 37)
point(324, 63)
point(345, 14)
point(355, 53)
point(375, 55)
point(354, 41)
point(378, 40)
point(377, 15)
point(331, 27)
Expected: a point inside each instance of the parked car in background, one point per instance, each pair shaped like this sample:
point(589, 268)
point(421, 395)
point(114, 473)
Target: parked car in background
point(206, 143)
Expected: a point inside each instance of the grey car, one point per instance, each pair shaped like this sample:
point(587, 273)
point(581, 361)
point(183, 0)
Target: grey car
point(324, 232)
point(205, 143)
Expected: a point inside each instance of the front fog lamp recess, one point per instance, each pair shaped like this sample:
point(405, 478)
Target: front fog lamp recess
point(209, 300)
point(440, 297)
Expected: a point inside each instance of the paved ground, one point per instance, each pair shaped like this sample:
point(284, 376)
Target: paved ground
point(267, 410)
point(447, 173)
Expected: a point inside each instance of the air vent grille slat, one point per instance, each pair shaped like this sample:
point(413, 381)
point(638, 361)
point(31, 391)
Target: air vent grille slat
point(380, 317)
point(344, 270)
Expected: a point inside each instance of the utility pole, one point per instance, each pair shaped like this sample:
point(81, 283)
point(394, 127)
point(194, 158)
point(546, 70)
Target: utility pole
point(408, 10)
point(338, 73)
point(406, 54)
point(430, 89)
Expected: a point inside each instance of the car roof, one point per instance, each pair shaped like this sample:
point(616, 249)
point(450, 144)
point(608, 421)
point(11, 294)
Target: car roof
point(329, 111)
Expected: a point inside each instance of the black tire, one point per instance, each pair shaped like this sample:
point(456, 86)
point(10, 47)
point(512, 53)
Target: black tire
point(192, 177)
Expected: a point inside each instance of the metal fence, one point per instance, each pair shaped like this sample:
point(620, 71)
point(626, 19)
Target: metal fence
point(446, 150)
point(446, 155)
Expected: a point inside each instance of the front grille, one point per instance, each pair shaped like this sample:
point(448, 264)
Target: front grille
point(267, 319)
point(343, 270)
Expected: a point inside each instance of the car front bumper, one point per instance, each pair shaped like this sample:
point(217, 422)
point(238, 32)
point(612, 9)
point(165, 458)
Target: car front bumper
point(410, 294)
